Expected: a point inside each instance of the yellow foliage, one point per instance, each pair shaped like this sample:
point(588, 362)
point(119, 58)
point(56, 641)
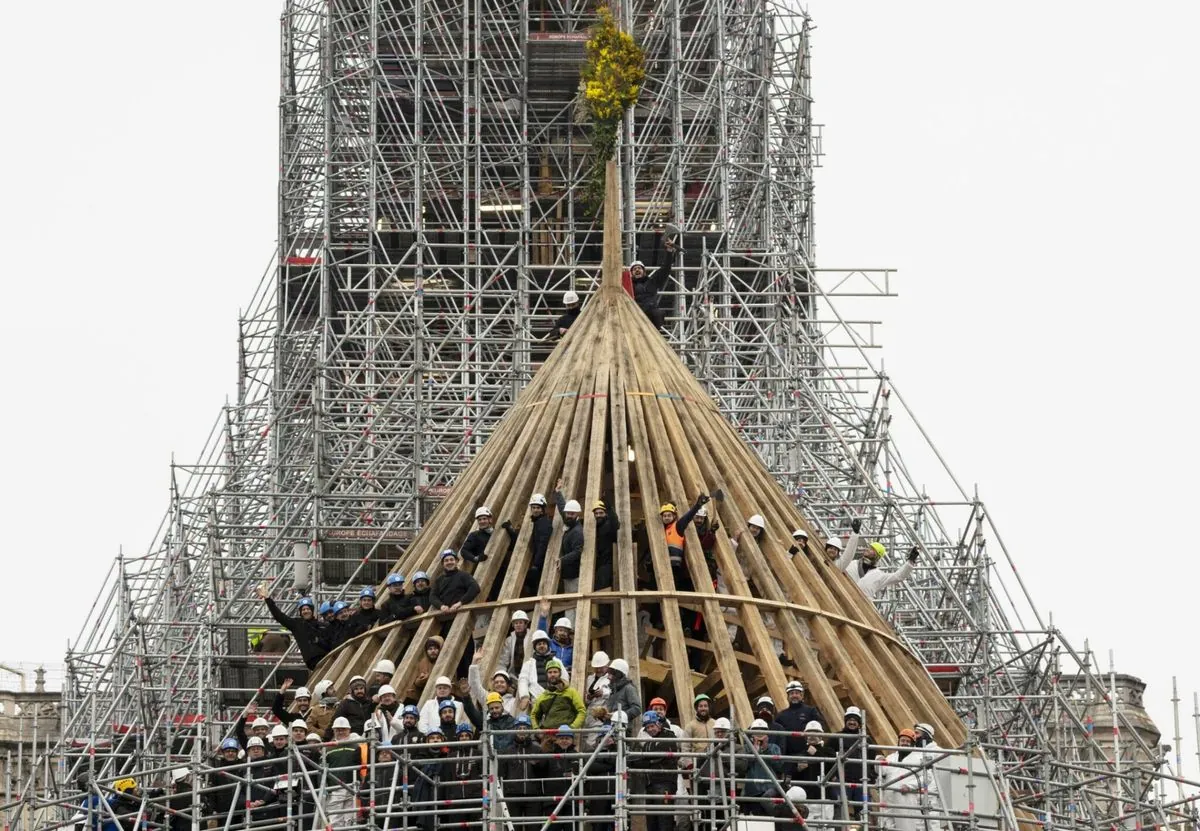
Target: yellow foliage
point(614, 69)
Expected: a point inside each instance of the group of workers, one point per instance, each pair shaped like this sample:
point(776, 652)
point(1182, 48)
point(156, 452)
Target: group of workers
point(644, 286)
point(380, 757)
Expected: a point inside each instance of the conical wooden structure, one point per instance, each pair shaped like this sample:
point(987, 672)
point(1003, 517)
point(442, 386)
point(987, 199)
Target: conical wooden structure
point(614, 411)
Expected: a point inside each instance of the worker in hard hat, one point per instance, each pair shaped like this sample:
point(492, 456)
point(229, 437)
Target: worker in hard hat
point(900, 786)
point(474, 547)
point(512, 651)
point(848, 743)
point(534, 671)
point(453, 589)
point(605, 534)
point(309, 631)
point(381, 674)
point(570, 555)
point(356, 706)
point(443, 690)
point(539, 541)
point(303, 703)
point(624, 696)
point(759, 764)
point(596, 687)
point(674, 527)
point(816, 770)
point(498, 719)
point(861, 563)
point(799, 542)
point(559, 704)
point(928, 755)
point(646, 288)
point(392, 607)
point(502, 684)
point(572, 306)
point(793, 718)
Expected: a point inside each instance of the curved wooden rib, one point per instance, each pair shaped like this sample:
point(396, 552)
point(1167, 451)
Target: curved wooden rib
point(613, 384)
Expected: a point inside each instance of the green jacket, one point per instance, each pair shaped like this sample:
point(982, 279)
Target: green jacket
point(554, 708)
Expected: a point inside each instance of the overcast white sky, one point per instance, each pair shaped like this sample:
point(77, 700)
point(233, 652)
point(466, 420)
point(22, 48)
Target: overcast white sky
point(1029, 167)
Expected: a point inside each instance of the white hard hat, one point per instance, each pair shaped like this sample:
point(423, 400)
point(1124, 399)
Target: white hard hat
point(814, 726)
point(303, 693)
point(538, 499)
point(179, 774)
point(794, 685)
point(483, 510)
point(834, 542)
point(312, 737)
point(341, 723)
point(722, 724)
point(799, 534)
point(620, 718)
point(279, 731)
point(255, 741)
point(540, 635)
point(260, 722)
point(600, 660)
point(765, 699)
point(443, 680)
point(703, 511)
point(572, 507)
point(757, 520)
point(357, 679)
point(853, 711)
point(564, 622)
point(796, 794)
point(570, 298)
point(758, 724)
point(385, 666)
point(619, 665)
point(298, 723)
point(637, 263)
point(520, 615)
point(927, 729)
point(323, 687)
point(387, 689)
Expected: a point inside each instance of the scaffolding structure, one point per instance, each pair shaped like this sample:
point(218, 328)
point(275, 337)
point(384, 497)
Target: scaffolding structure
point(433, 161)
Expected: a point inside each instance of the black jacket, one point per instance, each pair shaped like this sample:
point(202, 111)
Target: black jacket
point(565, 320)
point(539, 540)
point(521, 773)
point(356, 712)
point(606, 540)
point(453, 587)
point(571, 552)
point(817, 771)
point(661, 765)
point(473, 546)
point(645, 291)
point(310, 635)
point(415, 599)
point(793, 720)
point(281, 711)
point(849, 744)
point(392, 608)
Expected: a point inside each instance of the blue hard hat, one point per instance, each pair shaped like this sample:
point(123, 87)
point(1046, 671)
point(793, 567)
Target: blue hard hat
point(341, 605)
point(650, 717)
point(230, 744)
point(395, 579)
point(523, 721)
point(463, 728)
point(326, 607)
point(367, 592)
point(305, 601)
point(447, 552)
point(565, 730)
point(446, 702)
point(434, 731)
point(410, 710)
point(420, 575)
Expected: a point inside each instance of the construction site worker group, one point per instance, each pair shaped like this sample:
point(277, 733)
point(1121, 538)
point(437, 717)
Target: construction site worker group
point(337, 758)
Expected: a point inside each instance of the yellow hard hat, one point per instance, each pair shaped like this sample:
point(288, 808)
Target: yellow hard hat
point(495, 698)
point(124, 785)
point(667, 506)
point(878, 548)
point(599, 505)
